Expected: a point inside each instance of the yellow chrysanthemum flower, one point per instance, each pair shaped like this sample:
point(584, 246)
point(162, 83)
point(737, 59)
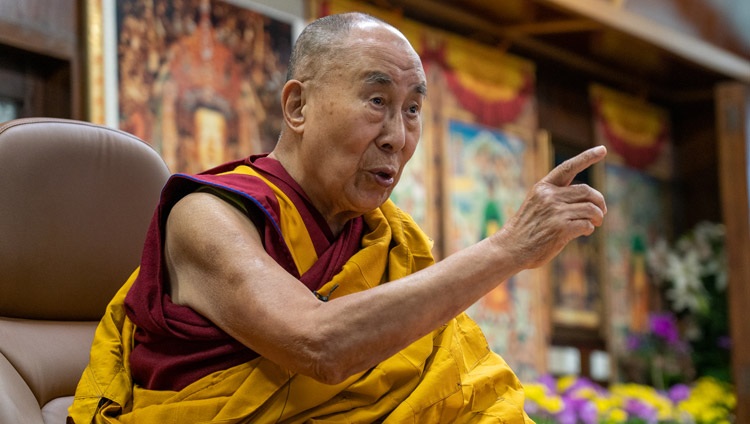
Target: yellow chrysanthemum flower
point(603, 404)
point(709, 402)
point(540, 394)
point(618, 415)
point(552, 404)
point(534, 391)
point(564, 383)
point(586, 393)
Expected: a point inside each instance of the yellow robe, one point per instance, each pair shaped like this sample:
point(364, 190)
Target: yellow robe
point(448, 376)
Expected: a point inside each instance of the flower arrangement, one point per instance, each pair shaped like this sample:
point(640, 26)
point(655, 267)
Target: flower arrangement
point(692, 275)
point(575, 400)
point(692, 269)
point(658, 356)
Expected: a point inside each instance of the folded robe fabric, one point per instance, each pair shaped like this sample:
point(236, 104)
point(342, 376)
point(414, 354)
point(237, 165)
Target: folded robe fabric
point(174, 345)
point(448, 376)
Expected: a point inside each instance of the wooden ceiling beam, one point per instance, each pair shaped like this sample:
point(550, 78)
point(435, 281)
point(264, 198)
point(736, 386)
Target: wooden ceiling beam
point(25, 38)
point(690, 48)
point(555, 27)
point(465, 19)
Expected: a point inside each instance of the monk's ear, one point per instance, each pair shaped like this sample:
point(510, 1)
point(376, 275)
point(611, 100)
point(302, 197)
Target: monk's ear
point(293, 97)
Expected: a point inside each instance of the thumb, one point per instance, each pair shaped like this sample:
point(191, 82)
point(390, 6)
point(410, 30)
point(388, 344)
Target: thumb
point(564, 173)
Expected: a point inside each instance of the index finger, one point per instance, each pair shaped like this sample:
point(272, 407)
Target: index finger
point(564, 173)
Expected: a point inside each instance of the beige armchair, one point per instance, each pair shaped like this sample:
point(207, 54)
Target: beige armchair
point(75, 203)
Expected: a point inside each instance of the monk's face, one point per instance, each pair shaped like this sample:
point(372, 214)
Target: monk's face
point(362, 121)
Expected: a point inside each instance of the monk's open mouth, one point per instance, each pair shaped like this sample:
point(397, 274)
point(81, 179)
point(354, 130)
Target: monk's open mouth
point(384, 178)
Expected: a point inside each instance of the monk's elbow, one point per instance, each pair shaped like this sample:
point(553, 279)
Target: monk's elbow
point(327, 363)
point(328, 373)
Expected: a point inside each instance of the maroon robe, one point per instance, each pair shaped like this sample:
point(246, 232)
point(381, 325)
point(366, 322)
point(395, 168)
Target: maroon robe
point(174, 345)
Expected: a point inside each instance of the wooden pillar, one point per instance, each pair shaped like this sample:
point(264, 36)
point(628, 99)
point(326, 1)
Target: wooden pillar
point(733, 131)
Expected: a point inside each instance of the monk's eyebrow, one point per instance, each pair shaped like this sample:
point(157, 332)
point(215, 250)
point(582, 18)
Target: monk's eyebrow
point(380, 78)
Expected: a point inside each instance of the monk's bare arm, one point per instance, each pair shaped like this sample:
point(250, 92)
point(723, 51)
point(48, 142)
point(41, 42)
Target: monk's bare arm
point(217, 266)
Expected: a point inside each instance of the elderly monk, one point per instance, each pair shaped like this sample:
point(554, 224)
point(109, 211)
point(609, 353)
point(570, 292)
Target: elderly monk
point(288, 288)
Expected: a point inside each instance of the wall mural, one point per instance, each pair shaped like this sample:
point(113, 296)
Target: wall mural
point(200, 79)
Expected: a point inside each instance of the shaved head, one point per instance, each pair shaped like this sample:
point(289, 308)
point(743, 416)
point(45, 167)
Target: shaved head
point(320, 42)
point(352, 108)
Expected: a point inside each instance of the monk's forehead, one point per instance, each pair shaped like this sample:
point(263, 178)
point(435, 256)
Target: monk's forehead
point(378, 27)
point(369, 36)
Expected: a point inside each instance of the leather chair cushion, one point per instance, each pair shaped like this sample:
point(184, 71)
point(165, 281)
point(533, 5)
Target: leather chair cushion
point(17, 403)
point(56, 410)
point(76, 203)
point(48, 356)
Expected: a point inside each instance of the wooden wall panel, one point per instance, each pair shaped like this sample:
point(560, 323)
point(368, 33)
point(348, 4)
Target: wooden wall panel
point(696, 184)
point(40, 47)
point(48, 27)
point(733, 118)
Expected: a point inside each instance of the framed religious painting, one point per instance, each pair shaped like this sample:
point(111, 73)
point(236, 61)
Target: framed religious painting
point(484, 179)
point(637, 179)
point(576, 274)
point(200, 80)
point(486, 174)
point(639, 210)
point(577, 287)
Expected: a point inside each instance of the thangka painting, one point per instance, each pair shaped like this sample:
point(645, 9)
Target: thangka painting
point(639, 164)
point(638, 214)
point(485, 184)
point(485, 181)
point(200, 79)
point(576, 279)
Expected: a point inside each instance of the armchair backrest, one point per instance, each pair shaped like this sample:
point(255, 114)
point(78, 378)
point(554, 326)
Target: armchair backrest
point(76, 200)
